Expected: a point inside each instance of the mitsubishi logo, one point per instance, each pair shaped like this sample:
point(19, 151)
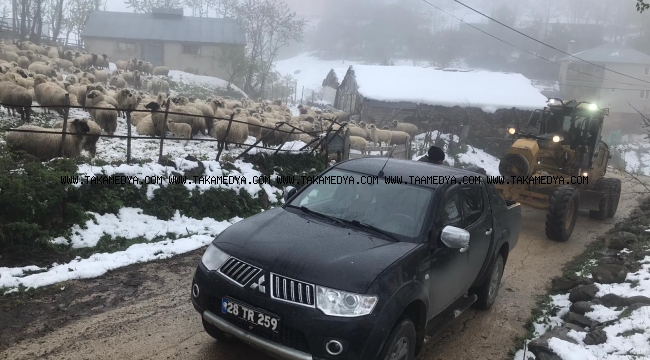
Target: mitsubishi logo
point(258, 285)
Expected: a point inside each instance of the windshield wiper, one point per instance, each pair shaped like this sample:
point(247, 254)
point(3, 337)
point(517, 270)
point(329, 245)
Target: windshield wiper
point(357, 223)
point(312, 212)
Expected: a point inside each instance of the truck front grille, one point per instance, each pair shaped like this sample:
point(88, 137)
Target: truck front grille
point(238, 271)
point(293, 291)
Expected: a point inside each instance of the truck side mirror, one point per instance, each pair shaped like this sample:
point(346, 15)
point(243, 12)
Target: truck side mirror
point(289, 191)
point(455, 238)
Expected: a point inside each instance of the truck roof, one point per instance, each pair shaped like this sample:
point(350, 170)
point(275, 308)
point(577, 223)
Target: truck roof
point(404, 168)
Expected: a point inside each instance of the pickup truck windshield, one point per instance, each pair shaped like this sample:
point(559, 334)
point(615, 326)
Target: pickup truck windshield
point(398, 209)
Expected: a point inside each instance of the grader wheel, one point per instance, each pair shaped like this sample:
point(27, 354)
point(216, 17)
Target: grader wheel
point(615, 192)
point(562, 213)
point(604, 187)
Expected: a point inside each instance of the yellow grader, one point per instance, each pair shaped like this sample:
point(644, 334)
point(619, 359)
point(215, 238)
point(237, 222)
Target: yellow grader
point(562, 168)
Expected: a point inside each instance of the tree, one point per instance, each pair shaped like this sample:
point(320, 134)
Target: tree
point(56, 18)
point(146, 6)
point(642, 5)
point(224, 8)
point(269, 25)
point(232, 60)
point(77, 14)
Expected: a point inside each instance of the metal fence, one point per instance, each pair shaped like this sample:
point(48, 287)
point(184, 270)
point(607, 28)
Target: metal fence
point(318, 142)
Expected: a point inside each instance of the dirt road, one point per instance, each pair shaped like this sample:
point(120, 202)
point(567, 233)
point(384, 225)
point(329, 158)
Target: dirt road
point(144, 311)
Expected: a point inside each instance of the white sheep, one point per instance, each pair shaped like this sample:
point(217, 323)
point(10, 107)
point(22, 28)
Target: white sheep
point(358, 143)
point(90, 139)
point(146, 127)
point(379, 136)
point(238, 133)
point(105, 117)
point(160, 71)
point(180, 129)
point(16, 98)
point(23, 62)
point(50, 95)
point(46, 146)
point(399, 138)
point(408, 128)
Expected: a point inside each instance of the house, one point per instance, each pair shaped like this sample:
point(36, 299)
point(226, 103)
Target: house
point(332, 83)
point(586, 82)
point(164, 37)
point(380, 94)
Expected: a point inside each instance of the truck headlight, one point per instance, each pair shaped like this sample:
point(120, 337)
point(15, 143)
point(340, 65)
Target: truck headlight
point(557, 138)
point(512, 131)
point(213, 258)
point(340, 303)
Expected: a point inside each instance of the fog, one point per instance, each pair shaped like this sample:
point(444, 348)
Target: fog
point(384, 30)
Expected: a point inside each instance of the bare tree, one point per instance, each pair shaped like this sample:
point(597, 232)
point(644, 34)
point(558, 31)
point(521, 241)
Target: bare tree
point(146, 6)
point(642, 5)
point(56, 18)
point(224, 8)
point(232, 60)
point(269, 25)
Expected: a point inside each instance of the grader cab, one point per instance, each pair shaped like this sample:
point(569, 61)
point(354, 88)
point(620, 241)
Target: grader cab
point(561, 169)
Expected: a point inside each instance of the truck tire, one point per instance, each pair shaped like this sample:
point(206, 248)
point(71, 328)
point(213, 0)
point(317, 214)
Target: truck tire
point(400, 344)
point(562, 213)
point(615, 191)
point(217, 333)
point(603, 187)
point(487, 292)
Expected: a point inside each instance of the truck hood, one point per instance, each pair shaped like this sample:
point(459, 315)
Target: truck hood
point(311, 249)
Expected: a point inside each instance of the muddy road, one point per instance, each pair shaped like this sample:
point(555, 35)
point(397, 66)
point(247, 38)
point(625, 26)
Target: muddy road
point(144, 311)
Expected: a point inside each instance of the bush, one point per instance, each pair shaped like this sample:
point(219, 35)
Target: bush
point(34, 205)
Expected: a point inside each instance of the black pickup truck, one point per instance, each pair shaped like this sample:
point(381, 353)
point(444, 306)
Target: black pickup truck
point(351, 267)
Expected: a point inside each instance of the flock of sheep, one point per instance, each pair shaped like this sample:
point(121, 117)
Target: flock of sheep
point(56, 79)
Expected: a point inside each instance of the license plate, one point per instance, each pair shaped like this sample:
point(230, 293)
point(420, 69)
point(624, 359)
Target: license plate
point(250, 315)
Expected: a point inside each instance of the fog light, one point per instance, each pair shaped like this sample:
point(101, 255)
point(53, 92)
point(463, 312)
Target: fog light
point(557, 138)
point(195, 290)
point(593, 107)
point(585, 174)
point(512, 131)
point(334, 347)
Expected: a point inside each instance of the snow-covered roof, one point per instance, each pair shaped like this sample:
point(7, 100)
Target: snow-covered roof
point(489, 91)
point(611, 53)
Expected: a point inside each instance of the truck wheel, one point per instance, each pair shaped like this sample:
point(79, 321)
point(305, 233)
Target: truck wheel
point(562, 213)
point(400, 344)
point(217, 333)
point(603, 187)
point(615, 191)
point(487, 292)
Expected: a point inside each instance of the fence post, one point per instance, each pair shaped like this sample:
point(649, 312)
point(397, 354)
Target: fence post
point(66, 111)
point(128, 134)
point(163, 132)
point(223, 144)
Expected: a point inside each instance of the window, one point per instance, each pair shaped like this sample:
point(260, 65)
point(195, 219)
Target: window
point(125, 46)
point(647, 71)
point(191, 49)
point(645, 94)
point(472, 204)
point(451, 212)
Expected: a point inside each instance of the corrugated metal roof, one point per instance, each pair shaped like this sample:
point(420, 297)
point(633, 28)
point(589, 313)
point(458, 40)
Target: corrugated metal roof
point(132, 26)
point(611, 53)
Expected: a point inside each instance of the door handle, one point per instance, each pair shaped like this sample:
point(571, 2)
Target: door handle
point(488, 232)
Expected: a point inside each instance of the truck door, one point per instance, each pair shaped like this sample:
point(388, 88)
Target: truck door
point(477, 220)
point(446, 267)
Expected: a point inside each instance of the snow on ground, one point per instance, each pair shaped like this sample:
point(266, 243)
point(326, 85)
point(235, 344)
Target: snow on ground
point(473, 156)
point(628, 335)
point(636, 156)
point(99, 263)
point(209, 81)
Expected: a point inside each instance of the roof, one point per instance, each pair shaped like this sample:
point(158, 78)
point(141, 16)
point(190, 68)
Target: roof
point(335, 76)
point(487, 90)
point(132, 26)
point(611, 53)
point(399, 167)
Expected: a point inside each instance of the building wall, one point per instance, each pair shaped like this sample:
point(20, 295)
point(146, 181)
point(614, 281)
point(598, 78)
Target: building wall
point(111, 48)
point(174, 57)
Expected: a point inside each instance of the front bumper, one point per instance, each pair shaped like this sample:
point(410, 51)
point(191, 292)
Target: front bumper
point(303, 332)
